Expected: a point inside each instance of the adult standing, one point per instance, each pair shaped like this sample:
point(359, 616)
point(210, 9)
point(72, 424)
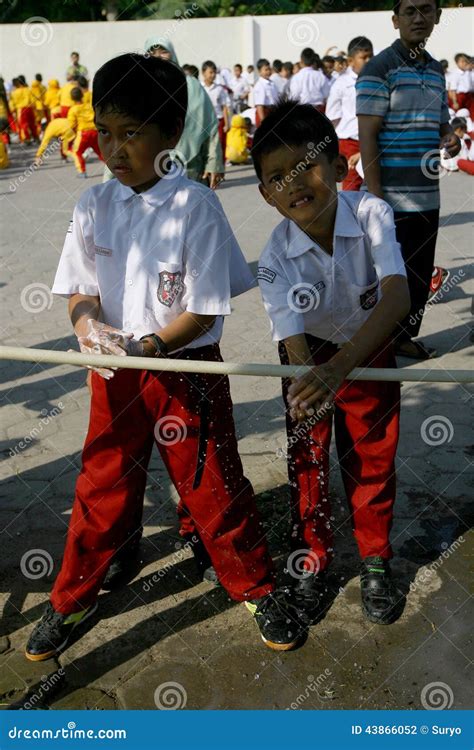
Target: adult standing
point(403, 122)
point(75, 68)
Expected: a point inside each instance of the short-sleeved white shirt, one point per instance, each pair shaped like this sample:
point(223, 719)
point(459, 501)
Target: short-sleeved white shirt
point(309, 86)
point(240, 87)
point(306, 290)
point(151, 256)
point(265, 93)
point(218, 96)
point(341, 105)
point(465, 84)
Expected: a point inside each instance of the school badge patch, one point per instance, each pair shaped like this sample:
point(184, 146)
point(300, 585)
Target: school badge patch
point(368, 300)
point(169, 287)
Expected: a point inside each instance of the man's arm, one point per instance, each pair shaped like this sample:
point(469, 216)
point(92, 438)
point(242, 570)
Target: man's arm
point(369, 128)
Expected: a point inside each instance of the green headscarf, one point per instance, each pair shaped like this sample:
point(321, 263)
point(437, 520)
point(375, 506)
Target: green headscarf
point(201, 121)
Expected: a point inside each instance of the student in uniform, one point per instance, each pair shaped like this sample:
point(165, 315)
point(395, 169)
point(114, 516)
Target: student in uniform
point(334, 286)
point(341, 108)
point(265, 93)
point(57, 128)
point(240, 90)
point(403, 122)
point(52, 99)
point(65, 100)
point(83, 84)
point(276, 77)
point(38, 91)
point(219, 98)
point(149, 266)
point(81, 120)
point(310, 86)
point(23, 104)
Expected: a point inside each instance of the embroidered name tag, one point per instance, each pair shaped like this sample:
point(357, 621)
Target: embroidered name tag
point(266, 274)
point(102, 251)
point(368, 300)
point(69, 229)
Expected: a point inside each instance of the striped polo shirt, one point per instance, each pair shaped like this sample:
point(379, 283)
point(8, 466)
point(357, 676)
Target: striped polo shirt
point(411, 97)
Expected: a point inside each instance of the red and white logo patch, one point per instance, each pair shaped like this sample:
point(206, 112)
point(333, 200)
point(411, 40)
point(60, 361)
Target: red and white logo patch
point(169, 287)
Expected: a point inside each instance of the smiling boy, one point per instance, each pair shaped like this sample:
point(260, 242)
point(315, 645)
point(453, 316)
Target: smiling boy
point(333, 283)
point(149, 266)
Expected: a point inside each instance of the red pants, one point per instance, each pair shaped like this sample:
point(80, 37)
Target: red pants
point(84, 140)
point(348, 147)
point(191, 419)
point(27, 124)
point(64, 111)
point(222, 135)
point(466, 166)
point(466, 101)
point(366, 422)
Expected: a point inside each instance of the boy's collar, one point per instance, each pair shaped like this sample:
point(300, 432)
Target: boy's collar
point(155, 195)
point(346, 225)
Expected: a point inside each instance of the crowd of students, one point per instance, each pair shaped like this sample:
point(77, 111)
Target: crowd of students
point(344, 278)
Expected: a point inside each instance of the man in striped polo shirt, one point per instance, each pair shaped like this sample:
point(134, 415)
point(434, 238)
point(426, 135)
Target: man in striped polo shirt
point(403, 122)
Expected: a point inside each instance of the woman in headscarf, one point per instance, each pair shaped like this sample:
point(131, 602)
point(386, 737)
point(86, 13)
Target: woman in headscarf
point(198, 148)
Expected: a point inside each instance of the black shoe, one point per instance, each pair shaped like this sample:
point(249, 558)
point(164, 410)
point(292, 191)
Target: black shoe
point(53, 631)
point(308, 596)
point(379, 596)
point(278, 622)
point(122, 569)
point(205, 568)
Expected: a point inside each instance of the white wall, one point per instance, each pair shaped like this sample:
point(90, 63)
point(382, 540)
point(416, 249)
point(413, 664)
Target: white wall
point(29, 49)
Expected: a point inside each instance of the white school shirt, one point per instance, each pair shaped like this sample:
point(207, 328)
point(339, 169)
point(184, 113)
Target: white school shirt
point(341, 105)
point(466, 82)
point(240, 87)
point(265, 93)
point(309, 86)
point(306, 290)
point(154, 255)
point(279, 82)
point(218, 96)
point(452, 77)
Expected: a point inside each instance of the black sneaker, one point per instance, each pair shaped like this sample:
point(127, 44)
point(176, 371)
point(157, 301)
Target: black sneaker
point(278, 621)
point(205, 568)
point(124, 566)
point(308, 596)
point(379, 596)
point(53, 631)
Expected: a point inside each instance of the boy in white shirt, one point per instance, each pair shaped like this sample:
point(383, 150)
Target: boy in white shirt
point(149, 265)
point(265, 93)
point(276, 77)
point(334, 284)
point(341, 109)
point(465, 83)
point(219, 98)
point(309, 86)
point(240, 90)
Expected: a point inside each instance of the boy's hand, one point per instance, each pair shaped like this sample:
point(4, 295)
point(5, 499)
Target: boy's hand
point(451, 144)
point(108, 339)
point(353, 160)
point(315, 390)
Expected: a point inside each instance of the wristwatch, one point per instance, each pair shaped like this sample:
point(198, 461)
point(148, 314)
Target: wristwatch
point(159, 344)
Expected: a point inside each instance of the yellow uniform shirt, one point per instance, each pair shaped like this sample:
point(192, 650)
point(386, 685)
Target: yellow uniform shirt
point(65, 94)
point(87, 97)
point(58, 128)
point(4, 163)
point(38, 91)
point(81, 117)
point(52, 95)
point(20, 98)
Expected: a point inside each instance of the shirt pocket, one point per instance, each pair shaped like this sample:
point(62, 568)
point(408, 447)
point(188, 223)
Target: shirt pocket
point(364, 298)
point(168, 284)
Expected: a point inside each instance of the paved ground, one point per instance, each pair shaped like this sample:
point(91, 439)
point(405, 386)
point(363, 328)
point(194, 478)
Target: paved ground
point(187, 633)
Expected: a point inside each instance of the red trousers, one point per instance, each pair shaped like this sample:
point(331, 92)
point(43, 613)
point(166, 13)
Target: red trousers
point(348, 147)
point(64, 111)
point(466, 101)
point(190, 417)
point(85, 139)
point(366, 423)
point(466, 166)
point(27, 126)
point(222, 135)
